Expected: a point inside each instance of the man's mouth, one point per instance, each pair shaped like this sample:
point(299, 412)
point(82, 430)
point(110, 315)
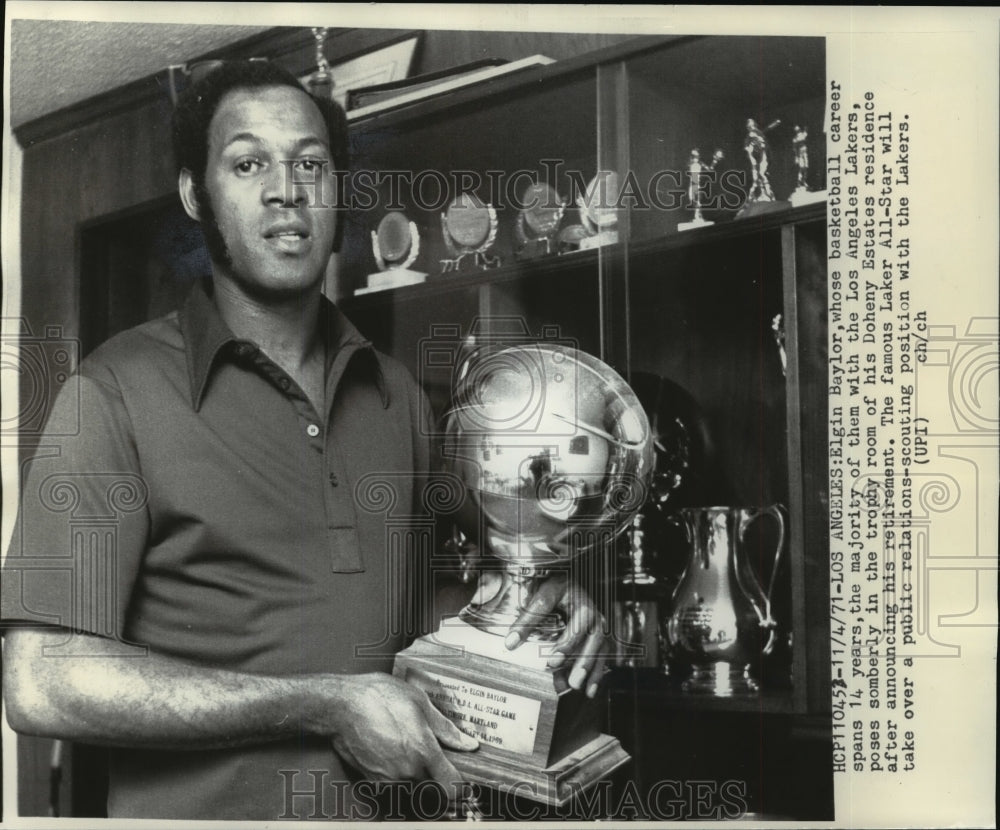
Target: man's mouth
point(291, 240)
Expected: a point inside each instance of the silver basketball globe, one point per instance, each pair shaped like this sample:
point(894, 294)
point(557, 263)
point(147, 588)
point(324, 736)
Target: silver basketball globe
point(554, 450)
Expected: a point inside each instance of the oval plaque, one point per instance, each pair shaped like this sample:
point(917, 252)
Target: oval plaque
point(394, 237)
point(468, 220)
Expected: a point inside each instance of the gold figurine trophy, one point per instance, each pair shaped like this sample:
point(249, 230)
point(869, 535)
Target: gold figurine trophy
point(555, 452)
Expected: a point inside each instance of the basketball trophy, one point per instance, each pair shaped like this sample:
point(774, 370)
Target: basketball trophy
point(695, 172)
point(555, 453)
point(803, 194)
point(760, 198)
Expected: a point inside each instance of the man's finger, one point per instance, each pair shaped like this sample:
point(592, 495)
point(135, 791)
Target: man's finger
point(586, 658)
point(445, 731)
point(540, 608)
point(581, 621)
point(595, 676)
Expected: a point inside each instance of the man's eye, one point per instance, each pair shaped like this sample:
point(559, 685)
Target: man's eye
point(309, 165)
point(247, 166)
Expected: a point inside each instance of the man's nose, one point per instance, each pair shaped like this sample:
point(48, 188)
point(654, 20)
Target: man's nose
point(280, 187)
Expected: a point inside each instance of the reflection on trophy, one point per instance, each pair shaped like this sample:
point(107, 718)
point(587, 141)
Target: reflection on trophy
point(760, 198)
point(396, 246)
point(803, 194)
point(599, 210)
point(538, 221)
point(555, 453)
point(469, 227)
point(695, 172)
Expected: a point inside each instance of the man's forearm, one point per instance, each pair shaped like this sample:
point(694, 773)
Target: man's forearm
point(148, 700)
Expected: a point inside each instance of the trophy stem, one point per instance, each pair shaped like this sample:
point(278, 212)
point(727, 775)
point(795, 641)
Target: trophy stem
point(498, 613)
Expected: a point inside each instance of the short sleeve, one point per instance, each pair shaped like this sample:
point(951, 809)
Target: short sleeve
point(83, 523)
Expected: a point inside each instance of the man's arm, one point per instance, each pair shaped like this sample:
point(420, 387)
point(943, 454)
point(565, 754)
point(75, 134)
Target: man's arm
point(388, 729)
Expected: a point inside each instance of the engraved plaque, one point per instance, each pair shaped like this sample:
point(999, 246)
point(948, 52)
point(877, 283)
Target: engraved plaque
point(499, 719)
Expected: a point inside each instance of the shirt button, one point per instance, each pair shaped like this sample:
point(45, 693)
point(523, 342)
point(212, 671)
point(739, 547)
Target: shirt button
point(312, 430)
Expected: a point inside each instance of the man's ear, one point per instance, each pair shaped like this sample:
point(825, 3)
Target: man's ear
point(189, 198)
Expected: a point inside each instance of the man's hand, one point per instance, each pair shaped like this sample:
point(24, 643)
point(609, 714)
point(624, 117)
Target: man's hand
point(391, 731)
point(584, 640)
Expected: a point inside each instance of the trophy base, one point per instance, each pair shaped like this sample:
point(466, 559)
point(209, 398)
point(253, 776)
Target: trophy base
point(751, 209)
point(720, 680)
point(555, 785)
point(806, 197)
point(694, 223)
point(535, 248)
point(538, 738)
point(393, 278)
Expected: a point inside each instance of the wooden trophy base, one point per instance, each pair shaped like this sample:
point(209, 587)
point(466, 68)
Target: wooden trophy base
point(392, 278)
point(806, 197)
point(538, 738)
point(694, 223)
point(751, 209)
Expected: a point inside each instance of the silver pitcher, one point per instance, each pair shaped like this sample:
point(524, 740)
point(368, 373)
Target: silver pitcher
point(720, 621)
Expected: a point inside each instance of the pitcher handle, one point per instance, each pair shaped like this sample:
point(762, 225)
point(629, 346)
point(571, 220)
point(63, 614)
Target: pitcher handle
point(778, 512)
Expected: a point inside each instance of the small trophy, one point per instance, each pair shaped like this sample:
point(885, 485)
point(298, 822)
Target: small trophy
point(396, 246)
point(695, 171)
point(760, 198)
point(469, 227)
point(538, 221)
point(803, 195)
point(599, 211)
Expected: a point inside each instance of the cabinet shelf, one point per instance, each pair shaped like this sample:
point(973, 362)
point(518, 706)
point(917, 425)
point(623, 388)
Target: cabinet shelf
point(437, 284)
point(587, 261)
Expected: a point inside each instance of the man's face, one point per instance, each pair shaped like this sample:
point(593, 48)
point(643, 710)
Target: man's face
point(277, 234)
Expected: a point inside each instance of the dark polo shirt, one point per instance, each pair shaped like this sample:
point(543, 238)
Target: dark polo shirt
point(187, 497)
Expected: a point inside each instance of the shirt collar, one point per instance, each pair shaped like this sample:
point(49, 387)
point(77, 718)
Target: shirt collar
point(207, 339)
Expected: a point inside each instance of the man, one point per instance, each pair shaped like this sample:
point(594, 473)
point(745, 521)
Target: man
point(212, 630)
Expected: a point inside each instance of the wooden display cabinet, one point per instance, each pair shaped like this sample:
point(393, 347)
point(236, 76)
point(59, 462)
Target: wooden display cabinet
point(697, 307)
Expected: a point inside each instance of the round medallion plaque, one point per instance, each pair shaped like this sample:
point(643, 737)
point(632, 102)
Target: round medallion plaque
point(468, 221)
